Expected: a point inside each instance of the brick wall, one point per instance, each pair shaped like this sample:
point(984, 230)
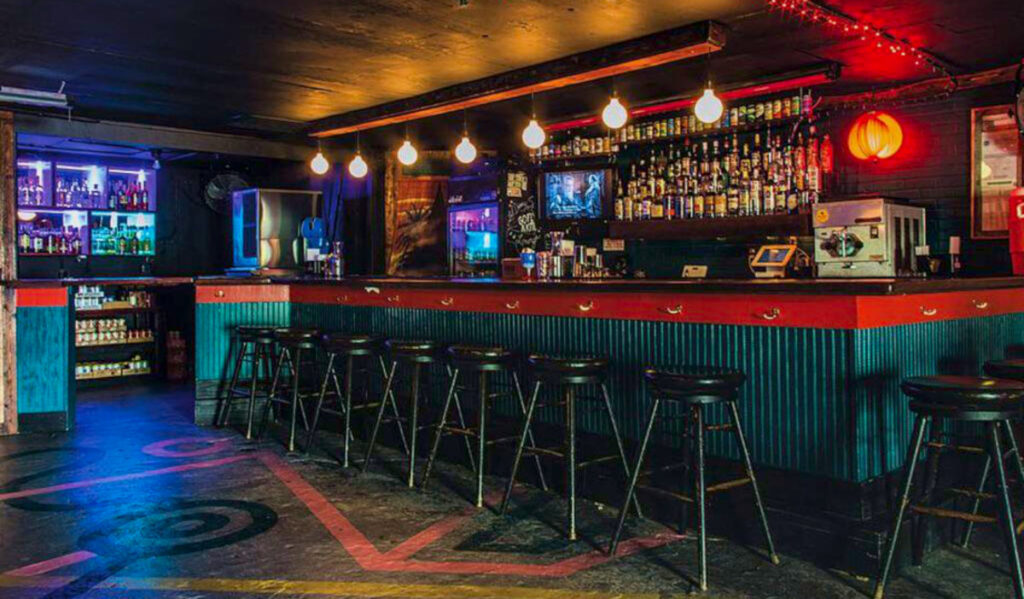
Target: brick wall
point(931, 170)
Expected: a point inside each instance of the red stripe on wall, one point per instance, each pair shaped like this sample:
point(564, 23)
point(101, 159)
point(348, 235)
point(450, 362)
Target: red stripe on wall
point(41, 298)
point(237, 294)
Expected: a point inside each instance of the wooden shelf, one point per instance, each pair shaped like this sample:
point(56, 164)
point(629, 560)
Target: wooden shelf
point(116, 374)
point(117, 344)
point(112, 312)
point(736, 226)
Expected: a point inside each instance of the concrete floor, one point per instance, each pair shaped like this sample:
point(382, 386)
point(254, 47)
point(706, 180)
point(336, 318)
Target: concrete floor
point(139, 502)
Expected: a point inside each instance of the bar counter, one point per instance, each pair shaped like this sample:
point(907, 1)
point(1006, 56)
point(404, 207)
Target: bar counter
point(823, 358)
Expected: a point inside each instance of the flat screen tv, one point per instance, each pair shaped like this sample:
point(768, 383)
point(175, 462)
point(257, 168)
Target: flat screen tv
point(576, 194)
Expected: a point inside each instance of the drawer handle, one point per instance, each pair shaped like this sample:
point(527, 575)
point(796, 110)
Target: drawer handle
point(673, 310)
point(372, 290)
point(342, 298)
point(929, 311)
point(771, 314)
point(980, 304)
point(219, 293)
point(447, 301)
point(587, 307)
point(393, 299)
point(512, 305)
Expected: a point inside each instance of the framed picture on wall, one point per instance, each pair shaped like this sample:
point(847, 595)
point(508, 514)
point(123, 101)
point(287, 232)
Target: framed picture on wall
point(996, 169)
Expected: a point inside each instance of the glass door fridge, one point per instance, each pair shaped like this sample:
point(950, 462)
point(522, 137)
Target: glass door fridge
point(473, 240)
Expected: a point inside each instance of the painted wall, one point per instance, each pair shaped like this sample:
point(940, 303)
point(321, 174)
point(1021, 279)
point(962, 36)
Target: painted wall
point(45, 357)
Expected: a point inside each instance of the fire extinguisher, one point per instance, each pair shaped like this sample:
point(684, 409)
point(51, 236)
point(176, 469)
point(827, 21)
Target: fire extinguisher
point(1016, 227)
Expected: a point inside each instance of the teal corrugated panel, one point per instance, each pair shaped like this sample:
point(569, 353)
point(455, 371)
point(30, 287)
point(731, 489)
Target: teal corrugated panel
point(44, 371)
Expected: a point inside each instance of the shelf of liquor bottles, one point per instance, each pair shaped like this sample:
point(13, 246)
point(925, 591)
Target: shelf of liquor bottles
point(762, 225)
point(71, 209)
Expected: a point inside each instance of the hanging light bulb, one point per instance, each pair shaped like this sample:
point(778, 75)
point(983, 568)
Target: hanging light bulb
point(615, 114)
point(319, 164)
point(358, 167)
point(708, 108)
point(407, 154)
point(534, 135)
point(465, 151)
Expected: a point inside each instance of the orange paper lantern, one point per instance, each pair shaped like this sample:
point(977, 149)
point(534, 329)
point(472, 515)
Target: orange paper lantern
point(875, 136)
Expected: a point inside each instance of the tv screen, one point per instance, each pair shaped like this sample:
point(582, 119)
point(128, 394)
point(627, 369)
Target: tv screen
point(576, 194)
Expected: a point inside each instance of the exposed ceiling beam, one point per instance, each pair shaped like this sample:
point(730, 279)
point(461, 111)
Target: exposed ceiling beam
point(160, 137)
point(645, 52)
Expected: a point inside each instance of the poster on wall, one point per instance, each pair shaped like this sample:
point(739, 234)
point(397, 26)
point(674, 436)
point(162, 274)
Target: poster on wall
point(416, 215)
point(995, 169)
point(522, 226)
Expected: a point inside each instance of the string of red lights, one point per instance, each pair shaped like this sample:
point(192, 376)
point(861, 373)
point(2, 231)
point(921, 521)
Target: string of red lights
point(816, 13)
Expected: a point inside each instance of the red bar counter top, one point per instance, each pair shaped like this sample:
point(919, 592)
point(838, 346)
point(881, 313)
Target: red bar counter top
point(821, 303)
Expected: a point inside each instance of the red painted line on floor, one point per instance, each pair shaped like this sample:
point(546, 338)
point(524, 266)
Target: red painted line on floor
point(50, 565)
point(121, 477)
point(357, 545)
point(160, 448)
point(370, 558)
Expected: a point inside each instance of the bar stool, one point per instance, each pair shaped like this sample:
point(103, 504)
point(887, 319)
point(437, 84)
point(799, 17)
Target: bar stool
point(349, 347)
point(416, 355)
point(992, 402)
point(295, 345)
point(1000, 369)
point(483, 362)
point(255, 347)
point(568, 375)
point(697, 387)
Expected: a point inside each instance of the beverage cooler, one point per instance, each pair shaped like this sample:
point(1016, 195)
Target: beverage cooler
point(474, 232)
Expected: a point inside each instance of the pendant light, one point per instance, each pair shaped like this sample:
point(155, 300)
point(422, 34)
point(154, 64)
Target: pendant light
point(319, 164)
point(465, 152)
point(708, 108)
point(358, 167)
point(407, 154)
point(615, 114)
point(534, 135)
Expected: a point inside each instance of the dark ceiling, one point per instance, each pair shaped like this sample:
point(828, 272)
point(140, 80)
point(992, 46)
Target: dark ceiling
point(270, 66)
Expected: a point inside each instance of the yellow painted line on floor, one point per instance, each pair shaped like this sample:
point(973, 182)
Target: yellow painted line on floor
point(315, 587)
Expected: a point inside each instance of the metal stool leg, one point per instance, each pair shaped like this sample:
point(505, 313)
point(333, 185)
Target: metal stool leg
point(380, 415)
point(748, 464)
point(282, 357)
point(258, 360)
point(440, 428)
point(481, 441)
point(901, 510)
point(1015, 449)
point(634, 476)
point(462, 423)
point(1006, 509)
point(311, 435)
point(570, 455)
point(700, 497)
point(389, 397)
point(226, 402)
point(529, 432)
point(295, 399)
point(976, 505)
point(920, 522)
point(350, 364)
point(618, 441)
point(519, 448)
point(414, 423)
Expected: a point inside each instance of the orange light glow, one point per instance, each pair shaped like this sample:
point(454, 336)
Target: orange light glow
point(875, 136)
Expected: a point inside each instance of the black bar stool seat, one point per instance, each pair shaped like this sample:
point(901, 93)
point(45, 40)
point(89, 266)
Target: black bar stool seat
point(572, 370)
point(995, 403)
point(696, 384)
point(419, 351)
point(482, 361)
point(696, 387)
point(1005, 369)
point(297, 338)
point(352, 344)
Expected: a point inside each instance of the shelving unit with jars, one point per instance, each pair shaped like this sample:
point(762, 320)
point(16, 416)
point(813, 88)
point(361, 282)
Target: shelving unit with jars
point(118, 333)
point(70, 209)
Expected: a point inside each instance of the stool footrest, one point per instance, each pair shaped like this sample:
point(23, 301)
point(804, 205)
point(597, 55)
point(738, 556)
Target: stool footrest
point(971, 493)
point(595, 461)
point(955, 514)
point(669, 468)
point(729, 484)
point(666, 493)
point(714, 428)
point(954, 447)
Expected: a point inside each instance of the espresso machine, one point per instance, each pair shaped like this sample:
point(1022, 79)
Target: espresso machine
point(867, 237)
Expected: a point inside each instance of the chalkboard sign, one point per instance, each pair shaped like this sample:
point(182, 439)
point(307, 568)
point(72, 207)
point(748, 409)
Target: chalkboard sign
point(522, 226)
